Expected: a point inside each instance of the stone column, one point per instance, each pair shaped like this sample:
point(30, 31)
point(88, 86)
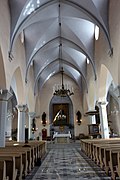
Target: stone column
point(31, 116)
point(21, 123)
point(4, 97)
point(103, 120)
point(9, 124)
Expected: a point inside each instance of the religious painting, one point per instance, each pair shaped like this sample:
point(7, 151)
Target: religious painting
point(60, 114)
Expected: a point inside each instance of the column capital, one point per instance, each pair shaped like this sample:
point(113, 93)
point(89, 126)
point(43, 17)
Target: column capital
point(5, 95)
point(31, 114)
point(22, 107)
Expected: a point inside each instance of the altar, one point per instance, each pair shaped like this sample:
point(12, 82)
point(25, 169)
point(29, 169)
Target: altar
point(62, 138)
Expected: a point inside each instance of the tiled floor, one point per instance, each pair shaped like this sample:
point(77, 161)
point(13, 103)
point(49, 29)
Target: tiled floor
point(67, 162)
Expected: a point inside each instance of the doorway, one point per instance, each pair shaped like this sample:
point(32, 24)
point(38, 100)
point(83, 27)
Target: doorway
point(26, 133)
point(44, 134)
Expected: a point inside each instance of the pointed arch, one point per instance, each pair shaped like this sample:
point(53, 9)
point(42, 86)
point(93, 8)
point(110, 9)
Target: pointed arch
point(81, 48)
point(105, 81)
point(17, 85)
point(2, 72)
point(92, 14)
point(65, 62)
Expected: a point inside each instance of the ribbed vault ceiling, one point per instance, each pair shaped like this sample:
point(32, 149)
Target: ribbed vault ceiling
point(58, 33)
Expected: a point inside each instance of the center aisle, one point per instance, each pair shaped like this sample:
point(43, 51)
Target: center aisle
point(67, 162)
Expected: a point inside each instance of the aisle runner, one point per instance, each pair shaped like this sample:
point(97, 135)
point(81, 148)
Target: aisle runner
point(67, 162)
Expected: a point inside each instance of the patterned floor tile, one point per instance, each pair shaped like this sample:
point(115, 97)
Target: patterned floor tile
point(67, 162)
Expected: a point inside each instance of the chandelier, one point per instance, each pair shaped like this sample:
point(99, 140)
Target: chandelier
point(62, 90)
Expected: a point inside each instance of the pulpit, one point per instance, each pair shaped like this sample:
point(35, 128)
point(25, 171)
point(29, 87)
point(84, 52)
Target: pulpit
point(93, 130)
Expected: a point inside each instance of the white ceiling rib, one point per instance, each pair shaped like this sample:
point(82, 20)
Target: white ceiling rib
point(25, 19)
point(77, 47)
point(47, 75)
point(65, 62)
point(47, 23)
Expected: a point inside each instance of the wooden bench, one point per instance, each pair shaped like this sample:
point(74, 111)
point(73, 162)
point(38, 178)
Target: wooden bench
point(101, 153)
point(3, 170)
point(87, 144)
point(38, 149)
point(25, 158)
point(18, 162)
point(98, 151)
point(30, 155)
point(112, 161)
point(105, 153)
point(11, 170)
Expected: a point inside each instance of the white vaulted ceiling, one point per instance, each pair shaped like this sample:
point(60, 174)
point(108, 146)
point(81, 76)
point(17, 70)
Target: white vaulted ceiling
point(58, 32)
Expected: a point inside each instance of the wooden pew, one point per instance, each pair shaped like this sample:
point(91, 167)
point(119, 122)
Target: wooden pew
point(11, 171)
point(112, 161)
point(109, 159)
point(103, 156)
point(87, 144)
point(18, 162)
point(37, 152)
point(105, 153)
point(27, 161)
point(23, 162)
point(40, 148)
point(118, 167)
point(3, 170)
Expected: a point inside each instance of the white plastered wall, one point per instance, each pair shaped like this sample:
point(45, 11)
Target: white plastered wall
point(14, 70)
point(102, 57)
point(18, 53)
point(44, 99)
point(98, 89)
point(101, 54)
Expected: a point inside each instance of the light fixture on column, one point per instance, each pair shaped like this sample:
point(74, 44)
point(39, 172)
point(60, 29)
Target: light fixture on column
point(62, 90)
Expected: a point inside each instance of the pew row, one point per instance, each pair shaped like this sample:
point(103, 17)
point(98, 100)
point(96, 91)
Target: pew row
point(22, 158)
point(18, 160)
point(11, 170)
point(3, 175)
point(105, 153)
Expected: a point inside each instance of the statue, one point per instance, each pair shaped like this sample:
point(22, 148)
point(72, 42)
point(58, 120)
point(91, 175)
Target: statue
point(33, 125)
point(79, 116)
point(44, 118)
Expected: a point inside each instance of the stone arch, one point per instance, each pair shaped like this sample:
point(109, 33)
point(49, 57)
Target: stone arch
point(17, 89)
point(2, 72)
point(17, 86)
point(105, 80)
point(31, 99)
point(85, 103)
point(37, 105)
point(91, 95)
